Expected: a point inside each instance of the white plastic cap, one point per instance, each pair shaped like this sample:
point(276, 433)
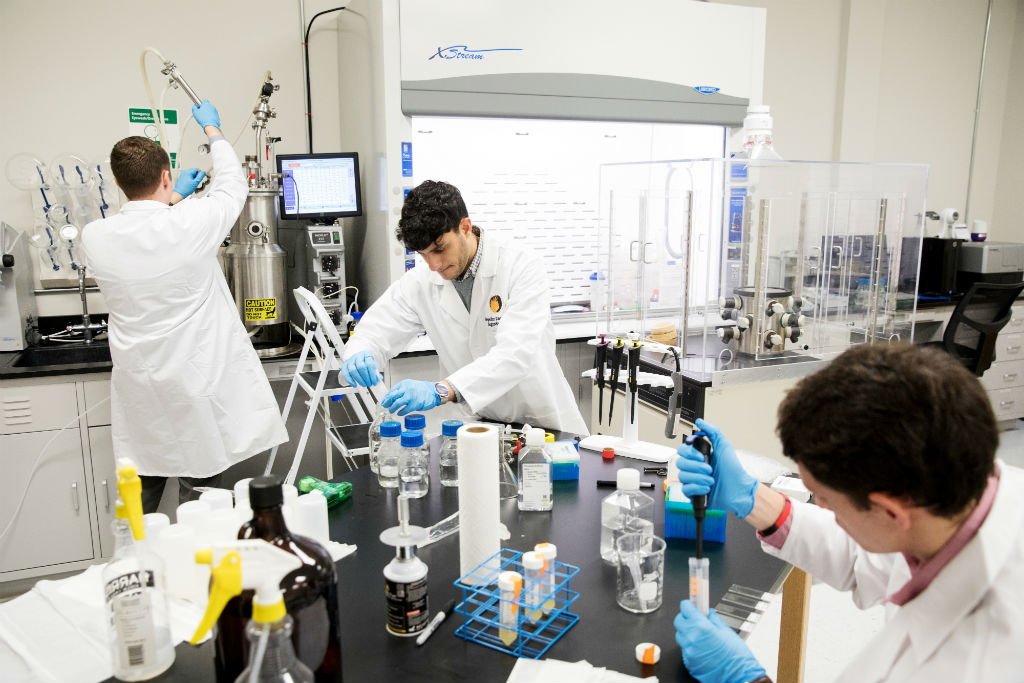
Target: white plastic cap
point(532, 560)
point(548, 551)
point(648, 653)
point(507, 580)
point(535, 436)
point(628, 479)
point(758, 118)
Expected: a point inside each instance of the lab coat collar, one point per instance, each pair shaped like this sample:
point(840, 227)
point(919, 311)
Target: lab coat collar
point(928, 619)
point(143, 205)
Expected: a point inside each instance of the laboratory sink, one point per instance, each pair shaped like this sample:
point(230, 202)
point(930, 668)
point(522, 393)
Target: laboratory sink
point(47, 356)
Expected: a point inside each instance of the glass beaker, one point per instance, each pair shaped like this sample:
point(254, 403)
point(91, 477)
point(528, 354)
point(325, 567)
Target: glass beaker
point(641, 572)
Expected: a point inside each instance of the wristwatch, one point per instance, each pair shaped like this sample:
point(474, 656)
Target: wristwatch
point(443, 392)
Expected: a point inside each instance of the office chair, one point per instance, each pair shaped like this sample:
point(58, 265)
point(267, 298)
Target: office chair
point(970, 334)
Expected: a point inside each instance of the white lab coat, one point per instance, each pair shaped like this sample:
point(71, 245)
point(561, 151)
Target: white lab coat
point(500, 355)
point(188, 396)
point(967, 625)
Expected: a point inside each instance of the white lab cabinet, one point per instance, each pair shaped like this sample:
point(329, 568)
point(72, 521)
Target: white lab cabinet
point(53, 526)
point(64, 470)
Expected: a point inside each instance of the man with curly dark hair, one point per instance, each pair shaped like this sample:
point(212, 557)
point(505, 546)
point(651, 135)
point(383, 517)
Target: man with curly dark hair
point(484, 303)
point(913, 511)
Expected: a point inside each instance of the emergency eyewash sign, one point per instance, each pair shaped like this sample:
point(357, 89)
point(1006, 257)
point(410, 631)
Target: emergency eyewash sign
point(141, 122)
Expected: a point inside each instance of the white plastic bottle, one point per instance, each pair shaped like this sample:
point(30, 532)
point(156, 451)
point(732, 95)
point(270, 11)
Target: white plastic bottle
point(534, 473)
point(627, 510)
point(389, 454)
point(405, 578)
point(413, 466)
point(140, 633)
point(756, 142)
point(448, 460)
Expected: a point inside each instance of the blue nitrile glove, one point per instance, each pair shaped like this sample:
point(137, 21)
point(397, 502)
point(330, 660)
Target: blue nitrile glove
point(188, 181)
point(361, 370)
point(411, 396)
point(730, 487)
point(206, 114)
point(713, 652)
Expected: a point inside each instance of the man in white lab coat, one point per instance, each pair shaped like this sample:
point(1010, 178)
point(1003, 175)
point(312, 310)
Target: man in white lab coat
point(897, 443)
point(188, 395)
point(484, 303)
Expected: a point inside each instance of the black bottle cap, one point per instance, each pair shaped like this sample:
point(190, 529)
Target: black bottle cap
point(265, 491)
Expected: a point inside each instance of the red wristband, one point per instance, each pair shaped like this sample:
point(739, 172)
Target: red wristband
point(783, 516)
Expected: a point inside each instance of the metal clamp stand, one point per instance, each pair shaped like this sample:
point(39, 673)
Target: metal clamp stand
point(362, 400)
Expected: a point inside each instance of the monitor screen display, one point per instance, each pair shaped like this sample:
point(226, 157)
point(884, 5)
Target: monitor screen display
point(319, 186)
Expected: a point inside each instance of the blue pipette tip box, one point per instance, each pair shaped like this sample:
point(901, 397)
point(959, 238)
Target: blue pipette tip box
point(565, 460)
point(679, 521)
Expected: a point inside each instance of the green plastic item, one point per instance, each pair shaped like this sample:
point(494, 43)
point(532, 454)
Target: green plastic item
point(334, 493)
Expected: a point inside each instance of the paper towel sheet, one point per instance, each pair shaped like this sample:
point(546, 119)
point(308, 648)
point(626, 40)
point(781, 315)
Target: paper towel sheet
point(542, 670)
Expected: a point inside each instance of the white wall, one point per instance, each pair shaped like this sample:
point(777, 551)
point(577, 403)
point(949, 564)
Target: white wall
point(71, 71)
point(881, 80)
point(896, 80)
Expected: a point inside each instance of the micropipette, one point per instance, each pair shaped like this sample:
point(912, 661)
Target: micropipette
point(700, 442)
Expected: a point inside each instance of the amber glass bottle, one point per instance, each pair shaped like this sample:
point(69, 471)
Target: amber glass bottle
point(310, 594)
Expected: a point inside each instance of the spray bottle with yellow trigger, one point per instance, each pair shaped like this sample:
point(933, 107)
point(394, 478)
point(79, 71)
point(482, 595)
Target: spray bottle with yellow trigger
point(255, 565)
point(140, 636)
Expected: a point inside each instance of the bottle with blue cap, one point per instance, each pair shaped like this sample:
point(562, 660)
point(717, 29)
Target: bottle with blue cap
point(449, 455)
point(413, 465)
point(389, 454)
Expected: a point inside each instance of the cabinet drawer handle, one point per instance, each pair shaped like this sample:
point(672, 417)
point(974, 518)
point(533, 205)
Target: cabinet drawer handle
point(1009, 376)
point(74, 496)
point(1006, 404)
point(106, 496)
point(1013, 349)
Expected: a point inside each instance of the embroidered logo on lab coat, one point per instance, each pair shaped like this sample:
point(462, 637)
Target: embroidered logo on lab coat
point(495, 305)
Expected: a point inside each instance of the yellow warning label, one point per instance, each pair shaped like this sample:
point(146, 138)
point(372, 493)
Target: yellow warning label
point(260, 309)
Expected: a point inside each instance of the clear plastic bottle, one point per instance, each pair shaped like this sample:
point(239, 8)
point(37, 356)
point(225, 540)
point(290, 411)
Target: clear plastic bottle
point(534, 473)
point(140, 633)
point(390, 451)
point(627, 510)
point(277, 662)
point(413, 466)
point(383, 415)
point(449, 456)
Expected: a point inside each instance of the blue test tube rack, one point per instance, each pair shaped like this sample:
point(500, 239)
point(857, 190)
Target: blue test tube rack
point(480, 608)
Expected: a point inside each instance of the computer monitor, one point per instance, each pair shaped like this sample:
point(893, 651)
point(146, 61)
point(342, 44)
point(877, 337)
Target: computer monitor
point(319, 187)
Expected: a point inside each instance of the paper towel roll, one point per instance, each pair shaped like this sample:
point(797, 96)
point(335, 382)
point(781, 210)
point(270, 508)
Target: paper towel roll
point(478, 499)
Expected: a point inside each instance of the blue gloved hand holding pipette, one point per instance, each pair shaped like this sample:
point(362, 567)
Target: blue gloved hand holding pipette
point(727, 484)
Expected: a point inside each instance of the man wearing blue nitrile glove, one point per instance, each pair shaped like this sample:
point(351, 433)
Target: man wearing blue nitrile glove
point(727, 484)
point(188, 395)
point(188, 181)
point(411, 396)
point(361, 370)
point(897, 443)
point(712, 650)
point(485, 305)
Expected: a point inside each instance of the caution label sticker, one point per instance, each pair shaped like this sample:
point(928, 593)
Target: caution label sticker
point(260, 309)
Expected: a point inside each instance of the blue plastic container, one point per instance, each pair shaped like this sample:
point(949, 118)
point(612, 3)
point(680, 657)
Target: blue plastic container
point(679, 521)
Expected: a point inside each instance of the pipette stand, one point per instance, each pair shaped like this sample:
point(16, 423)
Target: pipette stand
point(629, 444)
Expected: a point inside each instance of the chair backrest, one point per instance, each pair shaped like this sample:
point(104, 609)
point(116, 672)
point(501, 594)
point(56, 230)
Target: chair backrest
point(970, 335)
